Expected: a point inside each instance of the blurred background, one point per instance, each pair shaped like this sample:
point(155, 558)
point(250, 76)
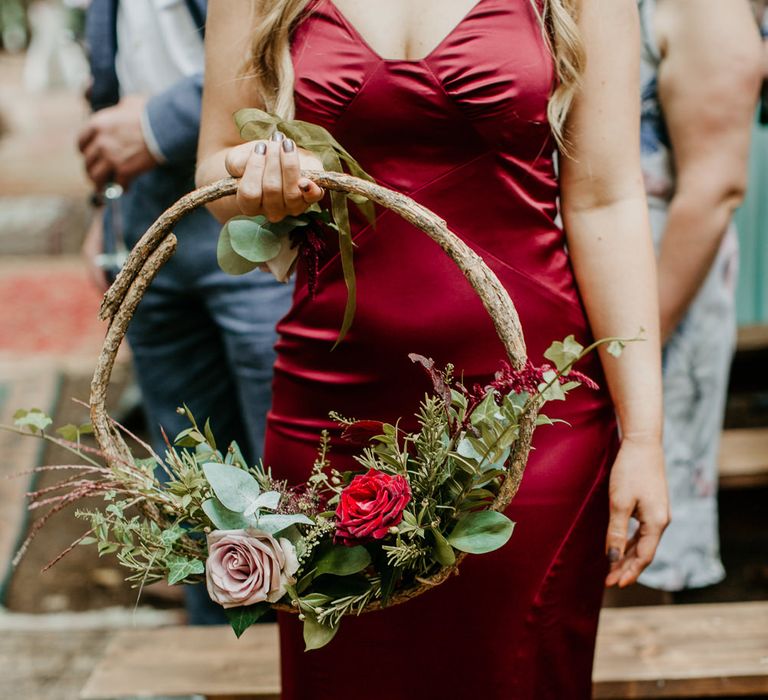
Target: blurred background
point(54, 626)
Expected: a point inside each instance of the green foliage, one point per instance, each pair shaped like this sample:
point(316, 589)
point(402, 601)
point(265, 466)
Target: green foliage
point(243, 617)
point(482, 531)
point(256, 124)
point(317, 634)
point(182, 568)
point(33, 419)
point(564, 353)
point(342, 561)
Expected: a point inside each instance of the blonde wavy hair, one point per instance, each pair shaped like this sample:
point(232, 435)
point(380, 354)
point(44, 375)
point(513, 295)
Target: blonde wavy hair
point(271, 66)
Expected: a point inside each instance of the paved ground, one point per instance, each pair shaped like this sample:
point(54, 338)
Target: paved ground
point(49, 340)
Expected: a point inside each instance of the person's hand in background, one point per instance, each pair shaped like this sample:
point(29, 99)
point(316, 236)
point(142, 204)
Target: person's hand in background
point(113, 143)
point(92, 248)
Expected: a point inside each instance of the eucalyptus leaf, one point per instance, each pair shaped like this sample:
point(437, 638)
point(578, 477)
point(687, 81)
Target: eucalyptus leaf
point(234, 487)
point(251, 240)
point(269, 500)
point(243, 617)
point(229, 261)
point(315, 634)
point(342, 561)
point(481, 532)
point(225, 519)
point(274, 524)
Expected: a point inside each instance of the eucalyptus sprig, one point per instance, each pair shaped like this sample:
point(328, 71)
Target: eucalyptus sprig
point(256, 124)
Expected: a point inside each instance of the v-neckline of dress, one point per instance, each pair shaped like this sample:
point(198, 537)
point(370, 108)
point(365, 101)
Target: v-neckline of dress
point(415, 61)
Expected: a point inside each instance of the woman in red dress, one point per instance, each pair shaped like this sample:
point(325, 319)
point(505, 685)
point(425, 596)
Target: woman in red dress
point(460, 104)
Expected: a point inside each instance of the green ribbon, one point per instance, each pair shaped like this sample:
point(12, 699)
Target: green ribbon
point(255, 124)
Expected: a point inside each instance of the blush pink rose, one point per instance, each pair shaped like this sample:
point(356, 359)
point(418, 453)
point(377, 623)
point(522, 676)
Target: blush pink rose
point(245, 567)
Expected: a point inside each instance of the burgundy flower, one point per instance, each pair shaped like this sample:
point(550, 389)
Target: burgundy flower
point(369, 506)
point(530, 377)
point(362, 432)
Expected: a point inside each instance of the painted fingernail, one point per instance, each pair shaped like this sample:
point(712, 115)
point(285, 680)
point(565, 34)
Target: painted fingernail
point(289, 145)
point(614, 555)
point(260, 148)
point(278, 136)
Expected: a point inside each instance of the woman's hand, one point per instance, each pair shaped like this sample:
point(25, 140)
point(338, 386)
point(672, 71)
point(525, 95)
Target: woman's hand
point(270, 177)
point(638, 488)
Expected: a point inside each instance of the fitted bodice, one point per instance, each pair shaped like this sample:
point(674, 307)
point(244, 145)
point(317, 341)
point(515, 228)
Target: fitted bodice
point(463, 128)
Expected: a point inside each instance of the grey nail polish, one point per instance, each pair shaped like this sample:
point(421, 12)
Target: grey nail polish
point(614, 555)
point(278, 136)
point(260, 148)
point(289, 146)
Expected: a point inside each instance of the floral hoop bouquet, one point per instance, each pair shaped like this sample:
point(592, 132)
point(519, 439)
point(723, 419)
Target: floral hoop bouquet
point(343, 543)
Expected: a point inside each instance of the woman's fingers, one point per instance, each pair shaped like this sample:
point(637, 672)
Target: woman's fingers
point(249, 191)
point(272, 202)
point(289, 161)
point(639, 551)
point(616, 539)
point(237, 157)
point(270, 177)
point(310, 192)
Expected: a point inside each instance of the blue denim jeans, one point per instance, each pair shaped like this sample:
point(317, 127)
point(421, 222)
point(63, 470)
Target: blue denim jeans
point(206, 339)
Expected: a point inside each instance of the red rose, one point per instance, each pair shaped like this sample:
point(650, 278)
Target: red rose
point(369, 506)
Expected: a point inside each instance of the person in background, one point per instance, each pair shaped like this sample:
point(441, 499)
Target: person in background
point(700, 78)
point(200, 336)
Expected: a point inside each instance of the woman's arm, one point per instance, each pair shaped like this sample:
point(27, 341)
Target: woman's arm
point(709, 81)
point(269, 170)
point(605, 217)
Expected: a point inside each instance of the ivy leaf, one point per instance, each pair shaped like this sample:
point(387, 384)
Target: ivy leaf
point(616, 347)
point(240, 619)
point(234, 487)
point(180, 568)
point(564, 353)
point(316, 635)
point(34, 419)
point(481, 532)
point(342, 561)
point(225, 519)
point(554, 390)
point(69, 432)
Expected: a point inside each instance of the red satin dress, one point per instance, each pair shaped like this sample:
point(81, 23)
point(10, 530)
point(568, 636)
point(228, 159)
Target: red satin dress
point(464, 132)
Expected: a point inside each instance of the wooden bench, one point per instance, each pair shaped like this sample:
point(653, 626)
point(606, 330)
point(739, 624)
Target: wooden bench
point(752, 338)
point(650, 652)
point(744, 458)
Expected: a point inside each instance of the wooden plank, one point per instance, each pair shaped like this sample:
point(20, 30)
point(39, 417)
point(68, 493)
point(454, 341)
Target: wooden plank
point(682, 651)
point(752, 338)
point(187, 661)
point(648, 652)
point(744, 458)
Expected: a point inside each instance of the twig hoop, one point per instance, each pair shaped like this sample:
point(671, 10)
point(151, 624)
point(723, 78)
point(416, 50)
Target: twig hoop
point(158, 244)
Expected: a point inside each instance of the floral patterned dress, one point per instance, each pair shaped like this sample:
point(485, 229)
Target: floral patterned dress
point(696, 363)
